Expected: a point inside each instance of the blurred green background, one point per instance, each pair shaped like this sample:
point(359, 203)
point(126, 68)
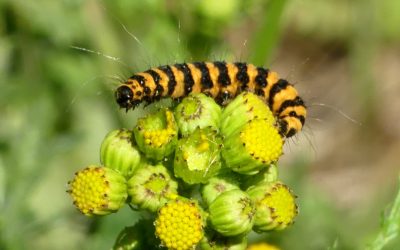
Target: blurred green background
point(56, 105)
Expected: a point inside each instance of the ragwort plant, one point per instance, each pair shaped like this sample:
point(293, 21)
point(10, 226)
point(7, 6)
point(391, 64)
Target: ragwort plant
point(192, 169)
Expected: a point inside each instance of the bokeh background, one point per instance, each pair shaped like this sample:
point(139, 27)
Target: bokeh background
point(56, 105)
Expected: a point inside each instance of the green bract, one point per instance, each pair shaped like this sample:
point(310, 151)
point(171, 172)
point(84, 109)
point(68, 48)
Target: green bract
point(267, 175)
point(137, 237)
point(214, 241)
point(197, 157)
point(118, 151)
point(215, 187)
point(197, 111)
point(130, 238)
point(150, 187)
point(232, 213)
point(275, 205)
point(244, 108)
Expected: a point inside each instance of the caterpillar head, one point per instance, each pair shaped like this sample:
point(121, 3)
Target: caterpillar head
point(124, 98)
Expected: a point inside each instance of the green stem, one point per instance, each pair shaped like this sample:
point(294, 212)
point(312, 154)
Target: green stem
point(390, 227)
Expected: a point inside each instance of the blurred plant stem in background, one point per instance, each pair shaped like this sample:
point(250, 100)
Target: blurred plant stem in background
point(364, 45)
point(267, 36)
point(390, 226)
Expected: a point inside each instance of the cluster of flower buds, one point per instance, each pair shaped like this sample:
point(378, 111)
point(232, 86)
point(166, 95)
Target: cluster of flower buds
point(207, 174)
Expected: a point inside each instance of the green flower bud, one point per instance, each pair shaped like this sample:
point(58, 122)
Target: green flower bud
point(256, 146)
point(275, 206)
point(118, 152)
point(244, 108)
point(267, 175)
point(214, 241)
point(98, 190)
point(197, 111)
point(197, 157)
point(137, 237)
point(150, 187)
point(232, 213)
point(215, 187)
point(157, 134)
point(134, 237)
point(179, 224)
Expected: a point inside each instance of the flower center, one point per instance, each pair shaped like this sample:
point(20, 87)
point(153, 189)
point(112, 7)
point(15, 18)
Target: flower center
point(89, 190)
point(262, 140)
point(179, 225)
point(282, 204)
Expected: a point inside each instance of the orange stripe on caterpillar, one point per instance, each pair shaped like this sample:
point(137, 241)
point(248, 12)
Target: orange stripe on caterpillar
point(220, 80)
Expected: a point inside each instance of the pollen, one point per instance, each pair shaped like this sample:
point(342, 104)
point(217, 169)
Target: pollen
point(89, 190)
point(282, 204)
point(179, 225)
point(203, 146)
point(262, 246)
point(262, 140)
point(160, 137)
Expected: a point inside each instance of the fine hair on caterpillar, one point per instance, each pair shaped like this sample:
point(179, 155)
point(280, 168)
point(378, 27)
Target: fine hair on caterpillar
point(220, 80)
point(289, 126)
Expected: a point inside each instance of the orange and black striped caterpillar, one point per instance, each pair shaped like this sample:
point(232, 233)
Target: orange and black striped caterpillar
point(220, 80)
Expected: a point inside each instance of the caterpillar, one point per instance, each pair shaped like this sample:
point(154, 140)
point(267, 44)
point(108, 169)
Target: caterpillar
point(220, 80)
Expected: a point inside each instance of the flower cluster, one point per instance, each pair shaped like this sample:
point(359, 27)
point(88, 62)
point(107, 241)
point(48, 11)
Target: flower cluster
point(207, 174)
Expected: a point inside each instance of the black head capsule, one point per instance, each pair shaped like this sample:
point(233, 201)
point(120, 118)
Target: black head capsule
point(124, 96)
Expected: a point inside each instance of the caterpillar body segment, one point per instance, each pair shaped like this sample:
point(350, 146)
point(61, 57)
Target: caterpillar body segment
point(220, 80)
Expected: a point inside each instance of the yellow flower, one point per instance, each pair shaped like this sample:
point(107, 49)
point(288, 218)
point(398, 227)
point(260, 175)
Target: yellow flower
point(179, 224)
point(256, 146)
point(244, 108)
point(98, 190)
point(262, 246)
point(262, 141)
point(275, 206)
point(156, 134)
